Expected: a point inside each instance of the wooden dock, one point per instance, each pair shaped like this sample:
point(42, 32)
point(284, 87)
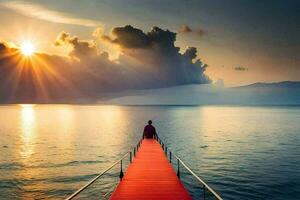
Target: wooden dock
point(150, 176)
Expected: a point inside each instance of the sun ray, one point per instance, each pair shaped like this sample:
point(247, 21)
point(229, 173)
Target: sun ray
point(33, 75)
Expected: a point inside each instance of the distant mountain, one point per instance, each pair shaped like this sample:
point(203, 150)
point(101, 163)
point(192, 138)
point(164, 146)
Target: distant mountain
point(281, 93)
point(284, 84)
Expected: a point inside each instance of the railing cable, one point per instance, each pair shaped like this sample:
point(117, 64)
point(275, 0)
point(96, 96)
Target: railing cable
point(94, 179)
point(179, 161)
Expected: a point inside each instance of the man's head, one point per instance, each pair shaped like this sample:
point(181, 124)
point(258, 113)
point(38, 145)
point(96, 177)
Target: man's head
point(149, 122)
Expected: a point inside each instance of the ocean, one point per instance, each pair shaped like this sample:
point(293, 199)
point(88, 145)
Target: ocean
point(49, 151)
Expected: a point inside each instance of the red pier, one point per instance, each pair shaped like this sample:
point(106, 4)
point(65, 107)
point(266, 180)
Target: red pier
point(150, 176)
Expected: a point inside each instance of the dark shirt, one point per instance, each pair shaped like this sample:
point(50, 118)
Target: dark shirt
point(149, 132)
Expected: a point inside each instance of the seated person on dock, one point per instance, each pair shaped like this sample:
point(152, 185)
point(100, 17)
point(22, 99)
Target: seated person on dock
point(149, 131)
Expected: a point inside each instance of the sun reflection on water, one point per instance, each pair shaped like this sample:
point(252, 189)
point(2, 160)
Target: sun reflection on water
point(28, 130)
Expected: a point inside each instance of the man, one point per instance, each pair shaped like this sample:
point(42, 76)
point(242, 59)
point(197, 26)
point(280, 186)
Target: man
point(149, 131)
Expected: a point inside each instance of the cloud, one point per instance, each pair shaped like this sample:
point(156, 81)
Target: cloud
point(158, 40)
point(240, 68)
point(130, 37)
point(147, 60)
point(187, 29)
point(43, 13)
point(98, 32)
point(191, 52)
point(159, 57)
point(133, 38)
point(80, 48)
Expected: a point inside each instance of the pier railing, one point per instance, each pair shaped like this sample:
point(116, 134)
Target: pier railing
point(179, 165)
point(117, 170)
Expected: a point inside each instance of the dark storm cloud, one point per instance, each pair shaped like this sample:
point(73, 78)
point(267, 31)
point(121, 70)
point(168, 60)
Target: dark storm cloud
point(148, 60)
point(159, 56)
point(130, 37)
point(133, 38)
point(191, 53)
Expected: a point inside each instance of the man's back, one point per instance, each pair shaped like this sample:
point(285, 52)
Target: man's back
point(149, 131)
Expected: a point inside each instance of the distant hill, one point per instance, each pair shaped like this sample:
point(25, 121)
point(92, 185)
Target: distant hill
point(280, 93)
point(284, 84)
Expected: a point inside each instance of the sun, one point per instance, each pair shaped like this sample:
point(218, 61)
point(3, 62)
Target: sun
point(27, 48)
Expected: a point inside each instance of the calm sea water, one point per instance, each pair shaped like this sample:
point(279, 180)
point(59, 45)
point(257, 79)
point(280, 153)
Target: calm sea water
point(48, 151)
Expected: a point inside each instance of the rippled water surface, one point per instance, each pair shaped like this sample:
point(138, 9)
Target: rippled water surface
point(48, 151)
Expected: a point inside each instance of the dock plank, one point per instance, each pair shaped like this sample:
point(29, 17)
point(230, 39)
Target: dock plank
point(150, 176)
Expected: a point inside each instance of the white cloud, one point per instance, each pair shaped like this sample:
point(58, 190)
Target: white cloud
point(43, 13)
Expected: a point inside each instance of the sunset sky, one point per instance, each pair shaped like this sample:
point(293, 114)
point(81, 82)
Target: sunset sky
point(241, 42)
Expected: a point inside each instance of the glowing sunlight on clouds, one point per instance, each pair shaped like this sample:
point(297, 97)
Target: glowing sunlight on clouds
point(43, 13)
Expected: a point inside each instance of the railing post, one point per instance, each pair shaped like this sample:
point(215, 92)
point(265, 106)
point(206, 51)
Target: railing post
point(170, 157)
point(130, 157)
point(134, 152)
point(204, 192)
point(178, 171)
point(121, 172)
point(166, 150)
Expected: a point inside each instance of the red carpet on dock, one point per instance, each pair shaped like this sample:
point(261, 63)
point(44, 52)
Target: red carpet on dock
point(150, 176)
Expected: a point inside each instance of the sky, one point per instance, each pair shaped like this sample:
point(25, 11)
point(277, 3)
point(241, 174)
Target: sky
point(240, 42)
